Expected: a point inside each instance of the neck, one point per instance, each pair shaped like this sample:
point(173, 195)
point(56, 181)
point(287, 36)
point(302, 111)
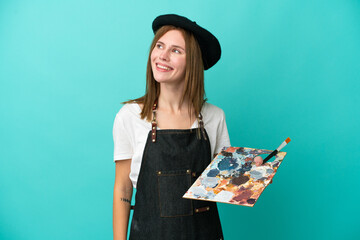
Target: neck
point(170, 98)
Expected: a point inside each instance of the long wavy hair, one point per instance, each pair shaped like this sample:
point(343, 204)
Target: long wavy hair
point(194, 90)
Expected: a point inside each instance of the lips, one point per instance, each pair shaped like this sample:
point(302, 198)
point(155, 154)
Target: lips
point(163, 67)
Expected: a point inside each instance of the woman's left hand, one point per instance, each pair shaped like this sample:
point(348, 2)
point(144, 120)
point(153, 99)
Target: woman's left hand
point(258, 160)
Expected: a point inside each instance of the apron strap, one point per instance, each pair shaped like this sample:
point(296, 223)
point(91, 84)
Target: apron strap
point(154, 124)
point(201, 124)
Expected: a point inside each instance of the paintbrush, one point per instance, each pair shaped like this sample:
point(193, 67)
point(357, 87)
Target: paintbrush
point(277, 150)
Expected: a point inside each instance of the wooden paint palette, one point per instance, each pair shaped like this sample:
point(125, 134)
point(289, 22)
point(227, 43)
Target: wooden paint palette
point(232, 177)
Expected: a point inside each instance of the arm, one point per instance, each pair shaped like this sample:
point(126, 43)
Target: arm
point(122, 197)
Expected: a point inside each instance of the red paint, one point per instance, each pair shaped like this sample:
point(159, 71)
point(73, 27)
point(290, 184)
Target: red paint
point(246, 194)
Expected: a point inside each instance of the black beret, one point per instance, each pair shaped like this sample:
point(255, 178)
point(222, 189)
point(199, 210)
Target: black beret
point(209, 45)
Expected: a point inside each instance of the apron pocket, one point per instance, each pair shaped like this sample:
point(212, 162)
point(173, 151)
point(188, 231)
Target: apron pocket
point(172, 185)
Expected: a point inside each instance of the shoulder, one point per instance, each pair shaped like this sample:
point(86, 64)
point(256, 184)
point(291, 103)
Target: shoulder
point(129, 114)
point(211, 111)
point(213, 116)
point(129, 110)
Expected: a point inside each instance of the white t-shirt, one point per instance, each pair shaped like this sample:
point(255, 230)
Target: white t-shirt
point(130, 134)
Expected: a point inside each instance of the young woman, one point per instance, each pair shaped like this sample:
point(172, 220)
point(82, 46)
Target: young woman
point(165, 139)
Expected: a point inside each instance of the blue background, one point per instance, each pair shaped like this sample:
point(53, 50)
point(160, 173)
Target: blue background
point(288, 69)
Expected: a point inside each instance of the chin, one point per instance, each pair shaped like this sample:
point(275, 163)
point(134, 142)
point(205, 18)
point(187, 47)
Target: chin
point(162, 79)
point(159, 79)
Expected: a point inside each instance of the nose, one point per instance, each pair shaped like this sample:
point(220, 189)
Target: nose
point(164, 55)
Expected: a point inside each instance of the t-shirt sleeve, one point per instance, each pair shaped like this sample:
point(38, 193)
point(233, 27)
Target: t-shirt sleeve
point(122, 143)
point(222, 135)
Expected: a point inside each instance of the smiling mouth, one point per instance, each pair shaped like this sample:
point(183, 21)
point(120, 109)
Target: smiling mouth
point(163, 67)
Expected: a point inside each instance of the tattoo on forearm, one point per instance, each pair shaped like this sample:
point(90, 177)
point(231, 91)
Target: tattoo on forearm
point(125, 200)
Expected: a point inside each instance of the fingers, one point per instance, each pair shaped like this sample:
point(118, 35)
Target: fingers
point(258, 161)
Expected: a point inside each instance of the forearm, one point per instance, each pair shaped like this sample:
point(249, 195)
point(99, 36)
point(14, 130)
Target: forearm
point(121, 212)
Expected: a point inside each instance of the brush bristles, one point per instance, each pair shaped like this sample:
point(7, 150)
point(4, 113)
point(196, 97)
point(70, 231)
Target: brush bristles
point(288, 140)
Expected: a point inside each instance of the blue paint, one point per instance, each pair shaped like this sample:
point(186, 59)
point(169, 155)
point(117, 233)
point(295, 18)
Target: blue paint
point(213, 173)
point(199, 192)
point(241, 171)
point(227, 164)
point(246, 167)
point(255, 174)
point(210, 195)
point(210, 182)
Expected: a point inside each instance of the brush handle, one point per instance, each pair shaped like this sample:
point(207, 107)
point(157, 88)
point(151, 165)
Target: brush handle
point(270, 156)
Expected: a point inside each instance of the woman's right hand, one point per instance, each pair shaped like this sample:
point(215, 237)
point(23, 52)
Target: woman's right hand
point(123, 190)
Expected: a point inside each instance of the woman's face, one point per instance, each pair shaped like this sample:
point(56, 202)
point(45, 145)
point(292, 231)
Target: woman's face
point(168, 58)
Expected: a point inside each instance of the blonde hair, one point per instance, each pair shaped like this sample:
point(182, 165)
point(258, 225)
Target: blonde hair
point(194, 90)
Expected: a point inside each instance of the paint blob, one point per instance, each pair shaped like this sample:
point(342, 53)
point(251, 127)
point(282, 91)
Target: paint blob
point(240, 180)
point(227, 163)
point(255, 174)
point(199, 192)
point(210, 182)
point(213, 172)
point(224, 196)
point(246, 194)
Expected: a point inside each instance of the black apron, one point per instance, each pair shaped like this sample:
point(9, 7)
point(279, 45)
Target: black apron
point(168, 168)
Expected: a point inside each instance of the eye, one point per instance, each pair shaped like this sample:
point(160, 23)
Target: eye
point(176, 50)
point(158, 45)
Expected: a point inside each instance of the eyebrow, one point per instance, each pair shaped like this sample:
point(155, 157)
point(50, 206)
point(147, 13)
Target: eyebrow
point(172, 45)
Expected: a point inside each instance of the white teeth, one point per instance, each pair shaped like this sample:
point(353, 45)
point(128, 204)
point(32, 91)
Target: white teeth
point(162, 67)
